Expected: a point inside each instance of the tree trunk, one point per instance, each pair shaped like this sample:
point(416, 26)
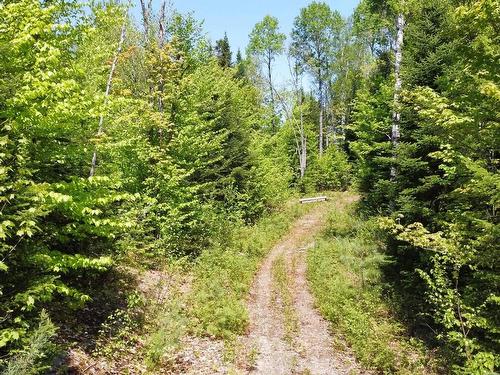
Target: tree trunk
point(106, 95)
point(342, 128)
point(320, 84)
point(271, 91)
point(396, 115)
point(146, 16)
point(303, 143)
point(161, 43)
point(146, 19)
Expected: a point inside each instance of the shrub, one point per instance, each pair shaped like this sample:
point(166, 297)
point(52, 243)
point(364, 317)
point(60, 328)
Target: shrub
point(32, 359)
point(331, 171)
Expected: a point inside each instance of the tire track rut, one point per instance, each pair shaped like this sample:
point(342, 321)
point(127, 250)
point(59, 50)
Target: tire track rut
point(311, 350)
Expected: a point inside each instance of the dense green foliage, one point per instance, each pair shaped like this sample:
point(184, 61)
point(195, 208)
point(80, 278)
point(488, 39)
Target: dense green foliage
point(442, 206)
point(125, 144)
point(55, 222)
point(176, 161)
point(345, 272)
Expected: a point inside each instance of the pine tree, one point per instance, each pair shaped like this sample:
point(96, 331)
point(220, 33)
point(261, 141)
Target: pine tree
point(241, 72)
point(223, 52)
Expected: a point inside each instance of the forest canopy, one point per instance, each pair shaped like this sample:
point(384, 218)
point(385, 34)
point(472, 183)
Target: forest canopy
point(125, 142)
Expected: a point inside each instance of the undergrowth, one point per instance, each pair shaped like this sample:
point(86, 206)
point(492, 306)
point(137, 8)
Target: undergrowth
point(344, 270)
point(149, 331)
point(30, 360)
point(223, 275)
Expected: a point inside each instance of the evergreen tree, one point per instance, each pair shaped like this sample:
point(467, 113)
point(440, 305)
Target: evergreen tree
point(443, 247)
point(223, 52)
point(240, 66)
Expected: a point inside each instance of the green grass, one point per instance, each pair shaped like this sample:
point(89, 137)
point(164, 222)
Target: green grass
point(282, 293)
point(223, 274)
point(165, 340)
point(150, 331)
point(344, 271)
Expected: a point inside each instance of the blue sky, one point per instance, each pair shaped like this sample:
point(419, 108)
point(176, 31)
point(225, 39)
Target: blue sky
point(238, 18)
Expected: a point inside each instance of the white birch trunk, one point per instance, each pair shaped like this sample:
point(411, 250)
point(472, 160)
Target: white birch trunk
point(301, 138)
point(320, 116)
point(303, 144)
point(342, 127)
point(271, 91)
point(146, 15)
point(161, 42)
point(396, 115)
point(100, 128)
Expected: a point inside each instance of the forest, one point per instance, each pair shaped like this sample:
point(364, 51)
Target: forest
point(146, 172)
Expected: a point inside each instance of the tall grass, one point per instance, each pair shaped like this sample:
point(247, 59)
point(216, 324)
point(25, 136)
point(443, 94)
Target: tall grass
point(223, 274)
point(344, 271)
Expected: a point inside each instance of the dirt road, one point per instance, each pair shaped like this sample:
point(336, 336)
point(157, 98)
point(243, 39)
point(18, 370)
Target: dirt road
point(287, 335)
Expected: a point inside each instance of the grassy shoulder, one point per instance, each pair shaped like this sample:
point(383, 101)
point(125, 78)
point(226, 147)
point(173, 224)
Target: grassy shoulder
point(178, 298)
point(223, 274)
point(344, 271)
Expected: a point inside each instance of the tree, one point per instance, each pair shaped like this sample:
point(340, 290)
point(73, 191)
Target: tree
point(49, 206)
point(106, 95)
point(223, 52)
point(171, 139)
point(398, 56)
point(315, 38)
point(442, 203)
point(266, 43)
point(241, 67)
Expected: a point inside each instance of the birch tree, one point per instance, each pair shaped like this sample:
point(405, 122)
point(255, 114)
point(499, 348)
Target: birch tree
point(106, 94)
point(398, 56)
point(146, 11)
point(296, 73)
point(315, 37)
point(266, 43)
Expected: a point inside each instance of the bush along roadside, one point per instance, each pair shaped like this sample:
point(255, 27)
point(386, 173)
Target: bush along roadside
point(201, 297)
point(223, 274)
point(345, 274)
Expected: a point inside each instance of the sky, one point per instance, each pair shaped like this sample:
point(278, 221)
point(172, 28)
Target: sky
point(237, 19)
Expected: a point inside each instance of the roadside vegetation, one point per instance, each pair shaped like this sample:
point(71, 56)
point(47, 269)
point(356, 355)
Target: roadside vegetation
point(205, 297)
point(223, 275)
point(146, 170)
point(345, 271)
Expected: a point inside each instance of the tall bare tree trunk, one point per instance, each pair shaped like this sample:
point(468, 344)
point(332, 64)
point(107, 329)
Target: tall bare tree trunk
point(161, 42)
point(106, 95)
point(301, 139)
point(147, 11)
point(146, 16)
point(270, 78)
point(396, 115)
point(342, 127)
point(303, 142)
point(320, 83)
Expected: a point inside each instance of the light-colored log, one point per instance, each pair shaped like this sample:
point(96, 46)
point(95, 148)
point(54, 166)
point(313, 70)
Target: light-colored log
point(313, 199)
